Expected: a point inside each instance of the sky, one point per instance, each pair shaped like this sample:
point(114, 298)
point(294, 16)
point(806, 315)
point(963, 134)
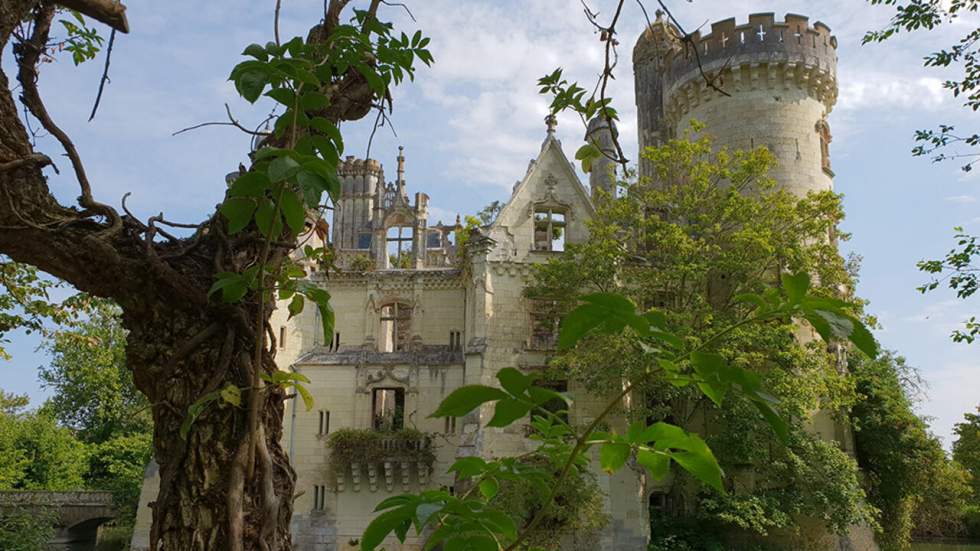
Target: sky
point(471, 123)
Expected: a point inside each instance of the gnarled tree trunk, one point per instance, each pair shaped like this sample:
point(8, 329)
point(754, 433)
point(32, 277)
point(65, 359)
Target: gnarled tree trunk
point(181, 345)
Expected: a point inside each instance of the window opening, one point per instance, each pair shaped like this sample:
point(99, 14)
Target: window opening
point(396, 327)
point(319, 497)
point(335, 343)
point(544, 324)
point(364, 241)
point(555, 406)
point(324, 428)
point(399, 246)
point(549, 230)
point(433, 240)
point(282, 336)
point(389, 409)
point(450, 425)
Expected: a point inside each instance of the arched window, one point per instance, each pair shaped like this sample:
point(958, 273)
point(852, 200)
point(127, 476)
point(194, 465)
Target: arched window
point(396, 327)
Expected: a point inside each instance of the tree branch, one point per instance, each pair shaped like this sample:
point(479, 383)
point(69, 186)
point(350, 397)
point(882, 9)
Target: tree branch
point(110, 12)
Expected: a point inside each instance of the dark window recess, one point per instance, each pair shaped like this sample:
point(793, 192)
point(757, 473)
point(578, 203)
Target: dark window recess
point(282, 336)
point(388, 407)
point(324, 427)
point(455, 340)
point(544, 318)
point(658, 503)
point(433, 240)
point(554, 406)
point(450, 427)
point(319, 497)
point(335, 343)
point(364, 241)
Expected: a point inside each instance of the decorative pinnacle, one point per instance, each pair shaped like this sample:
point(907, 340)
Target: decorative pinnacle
point(551, 122)
point(401, 165)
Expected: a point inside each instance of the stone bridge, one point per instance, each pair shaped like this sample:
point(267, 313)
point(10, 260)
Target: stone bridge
point(78, 514)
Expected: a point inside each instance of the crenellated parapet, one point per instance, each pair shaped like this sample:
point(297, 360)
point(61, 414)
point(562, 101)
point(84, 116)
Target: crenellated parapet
point(359, 176)
point(761, 54)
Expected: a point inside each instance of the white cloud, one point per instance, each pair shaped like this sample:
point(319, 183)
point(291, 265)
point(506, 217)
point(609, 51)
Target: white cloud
point(886, 91)
point(961, 199)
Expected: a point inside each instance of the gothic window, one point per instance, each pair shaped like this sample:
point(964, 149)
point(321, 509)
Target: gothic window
point(388, 407)
point(544, 317)
point(823, 130)
point(399, 246)
point(319, 497)
point(396, 327)
point(549, 229)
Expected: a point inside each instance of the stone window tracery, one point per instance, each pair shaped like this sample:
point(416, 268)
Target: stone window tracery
point(396, 327)
point(544, 318)
point(549, 229)
point(399, 246)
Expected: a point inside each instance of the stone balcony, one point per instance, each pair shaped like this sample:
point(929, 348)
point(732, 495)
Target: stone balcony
point(387, 461)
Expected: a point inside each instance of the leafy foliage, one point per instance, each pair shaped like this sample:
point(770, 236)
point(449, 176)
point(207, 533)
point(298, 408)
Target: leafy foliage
point(959, 271)
point(22, 530)
point(966, 447)
point(706, 257)
point(37, 454)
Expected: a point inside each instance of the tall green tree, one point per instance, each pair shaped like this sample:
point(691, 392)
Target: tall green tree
point(36, 453)
point(93, 390)
point(707, 228)
point(966, 448)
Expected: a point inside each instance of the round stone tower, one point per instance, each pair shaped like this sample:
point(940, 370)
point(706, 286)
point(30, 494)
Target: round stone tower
point(780, 78)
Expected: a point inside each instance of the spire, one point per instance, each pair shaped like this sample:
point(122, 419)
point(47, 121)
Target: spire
point(401, 164)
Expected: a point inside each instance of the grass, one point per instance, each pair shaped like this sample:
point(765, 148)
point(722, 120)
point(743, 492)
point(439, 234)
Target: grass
point(945, 547)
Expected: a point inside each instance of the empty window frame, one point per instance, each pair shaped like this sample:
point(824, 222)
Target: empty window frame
point(335, 343)
point(319, 497)
point(323, 428)
point(549, 229)
point(450, 425)
point(282, 336)
point(398, 243)
point(388, 409)
point(433, 239)
point(544, 320)
point(455, 340)
point(396, 327)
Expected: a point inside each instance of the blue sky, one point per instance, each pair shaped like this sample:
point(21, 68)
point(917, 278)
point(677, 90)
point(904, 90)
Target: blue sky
point(471, 123)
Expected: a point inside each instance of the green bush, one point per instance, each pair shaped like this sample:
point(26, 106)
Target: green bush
point(367, 446)
point(22, 530)
point(114, 538)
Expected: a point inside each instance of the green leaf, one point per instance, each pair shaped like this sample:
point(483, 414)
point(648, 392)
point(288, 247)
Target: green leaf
point(293, 211)
point(656, 462)
point(231, 285)
point(425, 511)
point(513, 381)
point(256, 51)
point(587, 154)
point(250, 84)
point(250, 184)
point(507, 411)
point(501, 522)
point(267, 218)
point(468, 467)
point(382, 525)
point(711, 368)
point(777, 423)
point(305, 395)
point(603, 312)
point(296, 305)
point(284, 96)
point(313, 101)
point(194, 411)
point(613, 456)
point(238, 211)
point(231, 395)
point(796, 286)
point(312, 185)
point(282, 168)
point(489, 488)
point(467, 398)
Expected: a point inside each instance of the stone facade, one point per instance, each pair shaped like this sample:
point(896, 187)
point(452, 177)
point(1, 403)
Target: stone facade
point(413, 322)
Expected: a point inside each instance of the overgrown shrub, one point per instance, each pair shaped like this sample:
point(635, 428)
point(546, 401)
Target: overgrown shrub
point(23, 530)
point(367, 446)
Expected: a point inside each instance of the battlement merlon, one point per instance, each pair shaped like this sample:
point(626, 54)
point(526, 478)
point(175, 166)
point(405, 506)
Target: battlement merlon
point(359, 176)
point(793, 43)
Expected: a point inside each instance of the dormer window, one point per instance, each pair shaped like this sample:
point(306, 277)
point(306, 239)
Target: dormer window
point(396, 327)
point(549, 229)
point(399, 246)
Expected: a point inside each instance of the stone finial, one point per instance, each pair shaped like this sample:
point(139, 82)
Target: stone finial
point(551, 122)
point(401, 164)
